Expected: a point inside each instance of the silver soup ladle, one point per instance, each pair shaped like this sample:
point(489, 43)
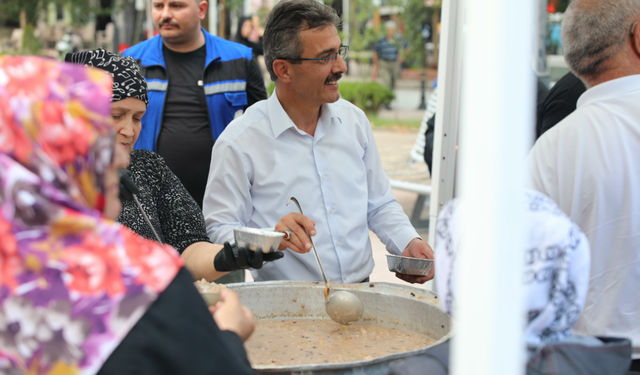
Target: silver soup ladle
point(341, 306)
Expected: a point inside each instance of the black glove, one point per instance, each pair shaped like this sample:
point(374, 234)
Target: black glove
point(127, 187)
point(232, 258)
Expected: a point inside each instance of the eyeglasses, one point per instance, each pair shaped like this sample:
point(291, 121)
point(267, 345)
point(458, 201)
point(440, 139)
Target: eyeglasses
point(343, 52)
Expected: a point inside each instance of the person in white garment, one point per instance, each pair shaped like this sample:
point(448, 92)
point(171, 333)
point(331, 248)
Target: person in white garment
point(305, 142)
point(590, 162)
point(555, 278)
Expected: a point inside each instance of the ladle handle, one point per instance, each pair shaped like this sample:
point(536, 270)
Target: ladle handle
point(315, 252)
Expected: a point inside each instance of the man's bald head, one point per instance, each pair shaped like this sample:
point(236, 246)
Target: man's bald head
point(595, 31)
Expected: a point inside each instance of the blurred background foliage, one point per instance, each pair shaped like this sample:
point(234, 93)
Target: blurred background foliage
point(416, 15)
point(368, 96)
point(28, 11)
point(412, 16)
point(81, 10)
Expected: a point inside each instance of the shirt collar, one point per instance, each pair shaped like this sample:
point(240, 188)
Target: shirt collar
point(280, 120)
point(609, 89)
point(213, 53)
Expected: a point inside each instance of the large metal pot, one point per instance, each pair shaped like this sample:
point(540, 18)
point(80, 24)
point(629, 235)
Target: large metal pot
point(392, 305)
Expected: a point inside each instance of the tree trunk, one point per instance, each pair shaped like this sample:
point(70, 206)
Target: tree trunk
point(222, 19)
point(435, 30)
point(23, 19)
point(376, 20)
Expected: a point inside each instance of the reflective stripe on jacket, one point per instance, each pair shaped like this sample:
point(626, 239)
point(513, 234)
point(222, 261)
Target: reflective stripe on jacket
point(224, 81)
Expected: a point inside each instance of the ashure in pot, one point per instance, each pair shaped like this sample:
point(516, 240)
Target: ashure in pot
point(390, 305)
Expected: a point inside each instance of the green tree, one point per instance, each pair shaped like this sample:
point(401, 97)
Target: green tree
point(362, 37)
point(11, 9)
point(415, 15)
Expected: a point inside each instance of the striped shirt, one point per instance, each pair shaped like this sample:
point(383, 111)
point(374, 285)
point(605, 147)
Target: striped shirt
point(388, 50)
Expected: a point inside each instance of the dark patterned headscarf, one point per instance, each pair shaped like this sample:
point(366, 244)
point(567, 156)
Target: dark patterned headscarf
point(128, 81)
point(556, 265)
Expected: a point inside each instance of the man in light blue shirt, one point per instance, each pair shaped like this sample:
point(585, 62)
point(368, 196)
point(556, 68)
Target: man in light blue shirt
point(305, 142)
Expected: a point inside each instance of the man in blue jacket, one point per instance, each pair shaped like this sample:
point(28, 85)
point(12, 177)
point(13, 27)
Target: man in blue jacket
point(198, 83)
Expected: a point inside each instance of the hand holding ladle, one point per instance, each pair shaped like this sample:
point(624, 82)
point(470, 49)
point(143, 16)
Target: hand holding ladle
point(341, 306)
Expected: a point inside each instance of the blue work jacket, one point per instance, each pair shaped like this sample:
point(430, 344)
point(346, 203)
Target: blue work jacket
point(224, 81)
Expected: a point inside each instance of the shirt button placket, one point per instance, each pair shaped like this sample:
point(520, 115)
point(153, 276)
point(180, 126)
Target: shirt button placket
point(328, 198)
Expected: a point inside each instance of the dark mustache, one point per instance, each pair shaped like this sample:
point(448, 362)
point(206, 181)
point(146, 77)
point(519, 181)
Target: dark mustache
point(167, 22)
point(334, 77)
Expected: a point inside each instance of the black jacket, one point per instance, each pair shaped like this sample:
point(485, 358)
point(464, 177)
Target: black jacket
point(178, 335)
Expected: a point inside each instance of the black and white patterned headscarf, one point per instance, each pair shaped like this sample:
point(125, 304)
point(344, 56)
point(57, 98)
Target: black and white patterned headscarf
point(556, 266)
point(128, 81)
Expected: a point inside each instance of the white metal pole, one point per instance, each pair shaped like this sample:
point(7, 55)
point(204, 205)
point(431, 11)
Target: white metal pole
point(445, 134)
point(213, 17)
point(496, 118)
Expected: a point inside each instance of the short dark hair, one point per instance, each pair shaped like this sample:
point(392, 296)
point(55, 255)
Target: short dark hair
point(285, 22)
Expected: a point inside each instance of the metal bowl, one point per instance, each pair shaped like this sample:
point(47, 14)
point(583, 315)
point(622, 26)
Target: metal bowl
point(409, 266)
point(253, 238)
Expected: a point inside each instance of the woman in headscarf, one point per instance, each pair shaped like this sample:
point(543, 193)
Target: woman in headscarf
point(174, 215)
point(249, 34)
point(79, 293)
point(556, 277)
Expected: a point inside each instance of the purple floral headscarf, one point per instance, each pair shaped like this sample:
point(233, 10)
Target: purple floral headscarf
point(72, 283)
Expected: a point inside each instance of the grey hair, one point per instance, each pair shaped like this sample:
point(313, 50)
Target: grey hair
point(593, 31)
point(285, 22)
